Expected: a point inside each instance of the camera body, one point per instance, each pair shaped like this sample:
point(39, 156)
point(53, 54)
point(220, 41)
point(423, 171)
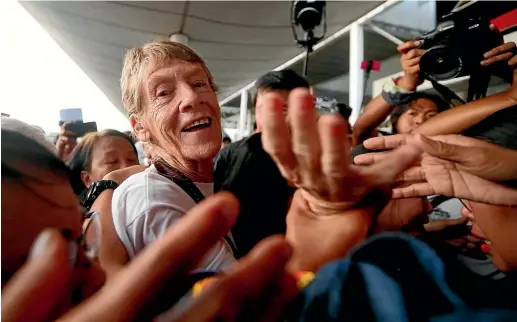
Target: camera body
point(456, 47)
point(307, 13)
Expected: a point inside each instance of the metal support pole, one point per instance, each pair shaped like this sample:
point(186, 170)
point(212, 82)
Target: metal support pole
point(356, 90)
point(249, 125)
point(385, 34)
point(243, 114)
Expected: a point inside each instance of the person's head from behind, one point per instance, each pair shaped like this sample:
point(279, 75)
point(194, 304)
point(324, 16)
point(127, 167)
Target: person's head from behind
point(423, 106)
point(98, 154)
point(280, 82)
point(36, 195)
point(171, 98)
point(226, 141)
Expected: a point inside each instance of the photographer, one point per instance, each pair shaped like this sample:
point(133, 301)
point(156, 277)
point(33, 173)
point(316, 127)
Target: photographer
point(66, 141)
point(399, 99)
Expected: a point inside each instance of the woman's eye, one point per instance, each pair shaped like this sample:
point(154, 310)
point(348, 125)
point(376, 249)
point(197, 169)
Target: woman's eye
point(163, 93)
point(199, 84)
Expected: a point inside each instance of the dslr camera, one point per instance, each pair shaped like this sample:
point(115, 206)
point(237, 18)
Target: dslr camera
point(456, 47)
point(326, 105)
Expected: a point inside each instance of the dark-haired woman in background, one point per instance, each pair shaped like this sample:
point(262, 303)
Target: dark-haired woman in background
point(97, 155)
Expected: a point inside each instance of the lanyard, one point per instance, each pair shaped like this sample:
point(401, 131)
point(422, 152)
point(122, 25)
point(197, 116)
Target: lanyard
point(190, 188)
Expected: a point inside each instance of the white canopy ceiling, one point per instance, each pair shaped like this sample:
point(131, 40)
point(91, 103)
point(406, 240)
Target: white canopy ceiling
point(239, 40)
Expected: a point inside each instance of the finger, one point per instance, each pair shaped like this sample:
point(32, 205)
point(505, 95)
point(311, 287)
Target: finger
point(305, 137)
point(386, 171)
point(413, 53)
point(413, 70)
point(38, 287)
point(509, 46)
point(68, 134)
point(501, 57)
point(513, 62)
point(386, 142)
point(275, 135)
point(411, 62)
point(285, 293)
point(245, 285)
point(334, 147)
point(414, 190)
point(438, 225)
point(372, 158)
point(405, 47)
point(172, 256)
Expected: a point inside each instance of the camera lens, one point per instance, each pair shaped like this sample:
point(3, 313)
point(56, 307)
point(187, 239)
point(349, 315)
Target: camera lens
point(440, 63)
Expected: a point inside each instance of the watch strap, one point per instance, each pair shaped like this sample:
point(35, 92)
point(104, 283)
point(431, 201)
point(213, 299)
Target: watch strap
point(395, 95)
point(96, 189)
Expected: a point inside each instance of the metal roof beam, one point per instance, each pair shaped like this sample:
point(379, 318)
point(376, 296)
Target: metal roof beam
point(325, 42)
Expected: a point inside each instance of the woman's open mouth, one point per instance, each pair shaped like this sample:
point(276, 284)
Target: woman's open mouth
point(198, 125)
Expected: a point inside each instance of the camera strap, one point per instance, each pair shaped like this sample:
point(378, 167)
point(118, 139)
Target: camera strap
point(448, 94)
point(190, 188)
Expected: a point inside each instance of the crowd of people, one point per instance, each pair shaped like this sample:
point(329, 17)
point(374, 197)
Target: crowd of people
point(307, 219)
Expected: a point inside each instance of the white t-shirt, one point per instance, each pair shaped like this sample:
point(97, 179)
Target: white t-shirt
point(147, 203)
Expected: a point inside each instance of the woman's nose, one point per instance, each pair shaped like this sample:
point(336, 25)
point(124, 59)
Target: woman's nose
point(419, 119)
point(189, 97)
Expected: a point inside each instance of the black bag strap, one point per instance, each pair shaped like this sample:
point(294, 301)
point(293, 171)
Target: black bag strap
point(190, 188)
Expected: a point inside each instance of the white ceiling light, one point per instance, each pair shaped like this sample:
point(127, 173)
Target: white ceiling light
point(179, 38)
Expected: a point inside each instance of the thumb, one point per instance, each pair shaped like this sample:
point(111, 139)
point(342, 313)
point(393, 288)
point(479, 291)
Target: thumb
point(388, 169)
point(37, 288)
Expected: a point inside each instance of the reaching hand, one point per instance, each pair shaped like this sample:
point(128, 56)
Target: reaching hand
point(333, 208)
point(475, 156)
point(313, 154)
point(121, 175)
point(504, 52)
point(258, 286)
point(410, 62)
point(66, 142)
point(449, 170)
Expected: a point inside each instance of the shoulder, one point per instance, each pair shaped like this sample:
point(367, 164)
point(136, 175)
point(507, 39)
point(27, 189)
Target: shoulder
point(148, 192)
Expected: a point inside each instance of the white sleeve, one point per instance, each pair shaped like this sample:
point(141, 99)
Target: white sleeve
point(144, 206)
point(152, 224)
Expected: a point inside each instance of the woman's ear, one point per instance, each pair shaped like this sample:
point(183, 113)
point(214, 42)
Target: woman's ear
point(86, 179)
point(141, 133)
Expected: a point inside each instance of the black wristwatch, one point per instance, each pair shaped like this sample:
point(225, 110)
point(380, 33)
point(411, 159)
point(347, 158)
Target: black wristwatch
point(95, 190)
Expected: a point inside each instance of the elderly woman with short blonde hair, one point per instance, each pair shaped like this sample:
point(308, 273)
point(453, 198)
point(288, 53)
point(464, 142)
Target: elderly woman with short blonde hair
point(171, 99)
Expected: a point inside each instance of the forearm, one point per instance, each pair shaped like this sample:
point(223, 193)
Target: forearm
point(112, 253)
point(459, 119)
point(375, 112)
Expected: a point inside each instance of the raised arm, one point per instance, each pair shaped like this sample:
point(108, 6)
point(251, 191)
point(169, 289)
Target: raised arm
point(378, 109)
